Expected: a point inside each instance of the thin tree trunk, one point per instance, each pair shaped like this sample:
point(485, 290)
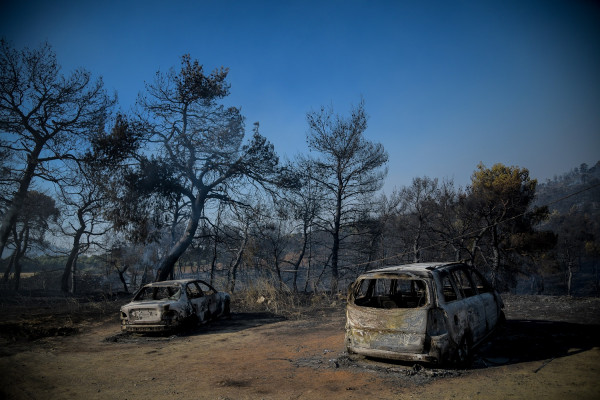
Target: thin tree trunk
point(22, 249)
point(416, 242)
point(11, 263)
point(73, 276)
point(300, 257)
point(238, 260)
point(213, 263)
point(569, 276)
point(122, 278)
point(17, 273)
point(71, 260)
point(308, 268)
point(495, 257)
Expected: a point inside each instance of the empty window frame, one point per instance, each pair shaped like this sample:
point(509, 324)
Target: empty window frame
point(391, 293)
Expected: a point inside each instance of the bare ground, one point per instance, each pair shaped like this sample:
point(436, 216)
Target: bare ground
point(549, 348)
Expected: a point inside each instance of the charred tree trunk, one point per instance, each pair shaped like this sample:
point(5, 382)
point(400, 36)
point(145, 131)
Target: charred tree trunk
point(10, 217)
point(71, 260)
point(300, 258)
point(73, 276)
point(213, 263)
point(22, 244)
point(167, 265)
point(569, 271)
point(11, 263)
point(308, 267)
point(238, 261)
point(278, 271)
point(335, 249)
point(121, 273)
point(416, 247)
point(495, 257)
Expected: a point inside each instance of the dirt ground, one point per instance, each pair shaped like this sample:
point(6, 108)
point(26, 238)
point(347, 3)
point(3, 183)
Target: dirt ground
point(549, 348)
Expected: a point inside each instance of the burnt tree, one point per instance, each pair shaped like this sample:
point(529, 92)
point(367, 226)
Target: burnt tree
point(199, 155)
point(347, 168)
point(45, 118)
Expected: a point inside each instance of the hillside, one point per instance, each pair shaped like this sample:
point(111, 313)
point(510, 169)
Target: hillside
point(579, 187)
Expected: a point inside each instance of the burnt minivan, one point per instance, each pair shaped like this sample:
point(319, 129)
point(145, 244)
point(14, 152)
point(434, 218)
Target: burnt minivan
point(425, 312)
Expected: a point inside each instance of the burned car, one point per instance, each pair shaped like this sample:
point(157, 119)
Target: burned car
point(428, 312)
point(168, 305)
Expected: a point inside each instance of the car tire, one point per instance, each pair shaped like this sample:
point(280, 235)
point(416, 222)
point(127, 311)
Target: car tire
point(502, 319)
point(463, 355)
point(227, 309)
point(193, 320)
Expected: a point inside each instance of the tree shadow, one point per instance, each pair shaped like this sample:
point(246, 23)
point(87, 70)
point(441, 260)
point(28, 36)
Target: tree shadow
point(523, 340)
point(236, 323)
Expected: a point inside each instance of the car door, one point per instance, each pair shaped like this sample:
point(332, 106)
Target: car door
point(212, 299)
point(198, 300)
point(450, 300)
point(486, 294)
point(472, 302)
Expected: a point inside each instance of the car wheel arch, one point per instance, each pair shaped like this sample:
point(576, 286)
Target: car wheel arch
point(462, 356)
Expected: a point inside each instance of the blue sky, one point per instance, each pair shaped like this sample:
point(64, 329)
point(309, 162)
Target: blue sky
point(447, 84)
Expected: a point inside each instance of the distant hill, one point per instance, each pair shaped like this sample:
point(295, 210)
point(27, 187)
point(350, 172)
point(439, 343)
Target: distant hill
point(579, 187)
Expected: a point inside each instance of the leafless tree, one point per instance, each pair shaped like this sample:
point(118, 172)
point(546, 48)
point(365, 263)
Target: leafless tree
point(304, 208)
point(347, 167)
point(82, 221)
point(418, 208)
point(45, 118)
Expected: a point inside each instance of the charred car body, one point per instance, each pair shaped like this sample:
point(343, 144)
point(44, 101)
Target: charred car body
point(427, 312)
point(167, 305)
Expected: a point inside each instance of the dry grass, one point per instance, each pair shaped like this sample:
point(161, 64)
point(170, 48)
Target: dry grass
point(265, 295)
point(45, 313)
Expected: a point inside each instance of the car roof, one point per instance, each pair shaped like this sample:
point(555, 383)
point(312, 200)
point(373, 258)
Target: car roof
point(174, 282)
point(421, 269)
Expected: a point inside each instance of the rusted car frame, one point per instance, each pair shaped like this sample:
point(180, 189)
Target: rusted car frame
point(168, 305)
point(429, 312)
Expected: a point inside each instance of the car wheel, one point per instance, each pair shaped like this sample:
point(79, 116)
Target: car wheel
point(502, 319)
point(463, 356)
point(227, 309)
point(193, 320)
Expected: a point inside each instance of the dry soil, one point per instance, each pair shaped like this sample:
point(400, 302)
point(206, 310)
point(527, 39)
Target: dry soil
point(549, 348)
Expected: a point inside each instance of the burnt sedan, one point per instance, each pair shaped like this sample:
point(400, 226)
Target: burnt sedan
point(168, 305)
point(430, 312)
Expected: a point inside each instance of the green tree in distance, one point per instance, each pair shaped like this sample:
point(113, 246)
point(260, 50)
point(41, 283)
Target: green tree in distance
point(30, 229)
point(501, 198)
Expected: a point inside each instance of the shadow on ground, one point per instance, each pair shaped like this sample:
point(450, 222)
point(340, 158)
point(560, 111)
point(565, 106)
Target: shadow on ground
point(524, 340)
point(236, 323)
point(515, 342)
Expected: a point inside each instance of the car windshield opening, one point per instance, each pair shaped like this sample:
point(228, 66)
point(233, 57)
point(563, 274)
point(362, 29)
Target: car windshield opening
point(159, 293)
point(397, 292)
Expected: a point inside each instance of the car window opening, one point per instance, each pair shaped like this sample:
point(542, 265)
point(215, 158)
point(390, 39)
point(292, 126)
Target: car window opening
point(448, 290)
point(159, 293)
point(391, 293)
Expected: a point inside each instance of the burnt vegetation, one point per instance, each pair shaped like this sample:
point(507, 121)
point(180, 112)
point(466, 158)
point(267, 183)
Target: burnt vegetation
point(95, 202)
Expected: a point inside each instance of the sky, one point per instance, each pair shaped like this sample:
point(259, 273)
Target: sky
point(446, 84)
